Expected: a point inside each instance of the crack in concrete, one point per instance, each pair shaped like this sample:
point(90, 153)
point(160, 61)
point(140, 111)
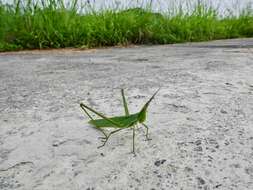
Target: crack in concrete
point(16, 165)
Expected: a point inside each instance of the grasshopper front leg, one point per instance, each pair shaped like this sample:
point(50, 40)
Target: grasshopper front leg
point(146, 132)
point(133, 139)
point(105, 139)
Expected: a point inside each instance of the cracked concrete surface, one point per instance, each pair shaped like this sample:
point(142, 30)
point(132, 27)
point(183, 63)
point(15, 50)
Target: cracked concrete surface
point(200, 122)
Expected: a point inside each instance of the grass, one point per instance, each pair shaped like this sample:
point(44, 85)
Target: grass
point(50, 24)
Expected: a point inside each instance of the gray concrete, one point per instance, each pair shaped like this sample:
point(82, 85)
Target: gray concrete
point(200, 122)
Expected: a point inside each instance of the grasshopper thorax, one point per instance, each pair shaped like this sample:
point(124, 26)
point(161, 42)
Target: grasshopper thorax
point(142, 115)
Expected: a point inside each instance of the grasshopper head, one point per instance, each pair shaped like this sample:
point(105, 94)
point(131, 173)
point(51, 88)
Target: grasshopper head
point(142, 113)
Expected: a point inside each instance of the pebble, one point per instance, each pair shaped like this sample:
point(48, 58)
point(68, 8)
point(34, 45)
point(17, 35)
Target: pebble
point(201, 181)
point(159, 162)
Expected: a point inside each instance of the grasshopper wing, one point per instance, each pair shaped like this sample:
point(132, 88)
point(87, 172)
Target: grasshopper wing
point(123, 121)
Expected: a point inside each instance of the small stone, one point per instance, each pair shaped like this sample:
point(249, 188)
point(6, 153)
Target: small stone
point(223, 111)
point(213, 150)
point(199, 149)
point(198, 142)
point(137, 180)
point(201, 181)
point(217, 186)
point(249, 171)
point(188, 169)
point(159, 162)
point(237, 165)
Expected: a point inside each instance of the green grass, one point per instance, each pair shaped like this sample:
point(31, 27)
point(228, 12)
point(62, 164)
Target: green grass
point(52, 25)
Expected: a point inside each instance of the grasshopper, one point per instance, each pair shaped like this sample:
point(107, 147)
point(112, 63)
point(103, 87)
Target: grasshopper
point(119, 123)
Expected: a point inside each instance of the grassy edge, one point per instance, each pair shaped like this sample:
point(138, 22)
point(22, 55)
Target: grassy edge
point(52, 25)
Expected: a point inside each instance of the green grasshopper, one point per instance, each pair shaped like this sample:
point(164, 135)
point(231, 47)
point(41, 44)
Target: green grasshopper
point(119, 122)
